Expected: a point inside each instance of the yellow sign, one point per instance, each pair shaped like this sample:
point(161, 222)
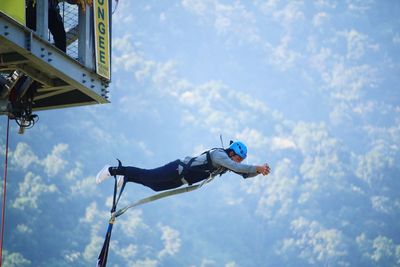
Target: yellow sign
point(102, 37)
point(14, 9)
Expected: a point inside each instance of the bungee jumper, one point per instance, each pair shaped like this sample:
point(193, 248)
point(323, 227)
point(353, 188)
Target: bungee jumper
point(189, 171)
point(193, 172)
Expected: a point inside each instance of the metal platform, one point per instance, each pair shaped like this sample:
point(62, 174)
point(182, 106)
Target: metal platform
point(64, 81)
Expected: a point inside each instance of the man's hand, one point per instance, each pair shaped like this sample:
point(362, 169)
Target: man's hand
point(264, 169)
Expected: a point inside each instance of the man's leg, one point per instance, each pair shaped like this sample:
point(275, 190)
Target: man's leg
point(56, 27)
point(30, 13)
point(158, 179)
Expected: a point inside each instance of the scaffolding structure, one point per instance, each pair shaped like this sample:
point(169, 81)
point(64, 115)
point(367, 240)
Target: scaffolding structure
point(36, 75)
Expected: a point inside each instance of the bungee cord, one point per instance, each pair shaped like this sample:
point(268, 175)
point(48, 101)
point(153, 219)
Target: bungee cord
point(3, 206)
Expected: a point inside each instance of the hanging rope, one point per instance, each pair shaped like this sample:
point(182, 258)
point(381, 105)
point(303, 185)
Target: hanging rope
point(3, 206)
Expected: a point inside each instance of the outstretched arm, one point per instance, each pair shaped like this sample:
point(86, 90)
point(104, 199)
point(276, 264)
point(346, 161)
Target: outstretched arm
point(262, 169)
point(219, 157)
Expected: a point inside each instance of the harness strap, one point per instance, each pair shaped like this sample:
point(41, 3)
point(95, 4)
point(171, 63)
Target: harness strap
point(102, 258)
point(209, 162)
point(115, 198)
point(188, 166)
point(159, 196)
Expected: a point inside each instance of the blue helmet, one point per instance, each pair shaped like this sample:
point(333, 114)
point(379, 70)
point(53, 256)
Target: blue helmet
point(239, 148)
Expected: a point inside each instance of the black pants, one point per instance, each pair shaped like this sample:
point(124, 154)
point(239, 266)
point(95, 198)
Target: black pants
point(158, 179)
point(56, 24)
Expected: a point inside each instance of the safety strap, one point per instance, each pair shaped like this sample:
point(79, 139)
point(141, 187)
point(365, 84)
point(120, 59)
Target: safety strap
point(102, 258)
point(115, 199)
point(159, 196)
point(207, 167)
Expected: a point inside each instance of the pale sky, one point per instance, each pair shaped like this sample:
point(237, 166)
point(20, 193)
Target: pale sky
point(312, 87)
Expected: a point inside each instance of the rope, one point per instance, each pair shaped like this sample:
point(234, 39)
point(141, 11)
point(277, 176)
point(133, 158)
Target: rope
point(3, 206)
